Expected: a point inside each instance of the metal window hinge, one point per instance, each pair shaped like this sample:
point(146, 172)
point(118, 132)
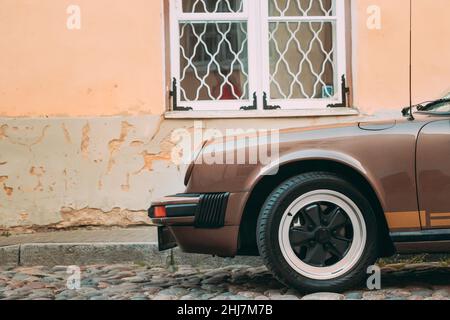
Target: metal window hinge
point(345, 92)
point(254, 106)
point(174, 96)
point(266, 106)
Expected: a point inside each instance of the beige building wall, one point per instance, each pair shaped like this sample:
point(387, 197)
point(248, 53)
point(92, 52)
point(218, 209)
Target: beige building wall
point(431, 50)
point(83, 140)
point(381, 56)
point(112, 66)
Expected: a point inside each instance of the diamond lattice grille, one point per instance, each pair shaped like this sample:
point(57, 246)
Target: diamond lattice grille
point(257, 54)
point(302, 53)
point(214, 61)
point(292, 8)
point(212, 6)
point(301, 59)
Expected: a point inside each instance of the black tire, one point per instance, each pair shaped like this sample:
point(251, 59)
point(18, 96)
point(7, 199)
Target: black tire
point(269, 223)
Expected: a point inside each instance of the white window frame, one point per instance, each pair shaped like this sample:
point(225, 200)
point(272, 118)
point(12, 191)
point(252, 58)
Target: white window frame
point(258, 64)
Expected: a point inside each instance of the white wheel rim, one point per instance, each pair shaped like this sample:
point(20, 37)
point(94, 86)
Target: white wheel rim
point(354, 253)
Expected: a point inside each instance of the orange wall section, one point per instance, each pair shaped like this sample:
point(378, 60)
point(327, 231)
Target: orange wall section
point(112, 66)
point(431, 49)
point(381, 57)
point(115, 64)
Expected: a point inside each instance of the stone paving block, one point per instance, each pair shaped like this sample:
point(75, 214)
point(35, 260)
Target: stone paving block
point(140, 282)
point(9, 255)
point(324, 296)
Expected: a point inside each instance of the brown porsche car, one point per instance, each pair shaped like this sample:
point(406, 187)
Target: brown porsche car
point(342, 197)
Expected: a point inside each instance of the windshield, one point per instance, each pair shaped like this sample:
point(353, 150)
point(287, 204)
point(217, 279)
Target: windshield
point(441, 107)
point(438, 107)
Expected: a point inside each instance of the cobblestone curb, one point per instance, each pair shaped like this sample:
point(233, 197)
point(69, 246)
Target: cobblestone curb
point(9, 255)
point(109, 253)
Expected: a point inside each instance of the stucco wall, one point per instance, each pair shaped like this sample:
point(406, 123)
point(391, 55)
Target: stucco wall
point(113, 65)
point(69, 172)
point(431, 50)
point(66, 172)
point(381, 57)
point(82, 137)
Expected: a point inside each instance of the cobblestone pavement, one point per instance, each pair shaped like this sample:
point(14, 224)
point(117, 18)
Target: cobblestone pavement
point(426, 281)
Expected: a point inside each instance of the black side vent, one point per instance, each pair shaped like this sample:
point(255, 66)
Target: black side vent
point(211, 211)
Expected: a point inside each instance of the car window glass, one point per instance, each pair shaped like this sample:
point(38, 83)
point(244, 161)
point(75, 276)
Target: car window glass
point(440, 108)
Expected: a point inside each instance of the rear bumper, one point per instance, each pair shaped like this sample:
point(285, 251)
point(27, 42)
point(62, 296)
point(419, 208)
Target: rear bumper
point(200, 223)
point(179, 209)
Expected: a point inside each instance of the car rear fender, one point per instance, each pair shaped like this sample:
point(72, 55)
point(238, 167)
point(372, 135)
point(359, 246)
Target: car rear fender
point(322, 155)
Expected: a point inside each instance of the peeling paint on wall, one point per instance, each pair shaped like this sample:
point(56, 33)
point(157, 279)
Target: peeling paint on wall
point(38, 173)
point(84, 218)
point(115, 145)
point(19, 136)
point(3, 131)
point(96, 163)
point(66, 133)
point(102, 171)
point(85, 141)
point(96, 217)
point(8, 190)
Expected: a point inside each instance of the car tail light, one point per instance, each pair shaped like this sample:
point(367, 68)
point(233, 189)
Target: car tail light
point(160, 212)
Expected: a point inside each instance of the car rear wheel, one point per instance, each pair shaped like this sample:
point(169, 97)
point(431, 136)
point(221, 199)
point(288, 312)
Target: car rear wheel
point(316, 232)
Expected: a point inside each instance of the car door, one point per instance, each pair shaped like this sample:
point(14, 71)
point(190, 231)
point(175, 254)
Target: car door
point(433, 174)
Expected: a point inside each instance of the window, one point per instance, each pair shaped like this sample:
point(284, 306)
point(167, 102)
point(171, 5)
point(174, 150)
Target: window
point(266, 54)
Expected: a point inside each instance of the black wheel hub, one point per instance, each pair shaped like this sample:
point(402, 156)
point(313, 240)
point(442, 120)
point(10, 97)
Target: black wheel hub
point(321, 234)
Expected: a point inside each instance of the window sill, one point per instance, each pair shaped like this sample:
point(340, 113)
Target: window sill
point(330, 112)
